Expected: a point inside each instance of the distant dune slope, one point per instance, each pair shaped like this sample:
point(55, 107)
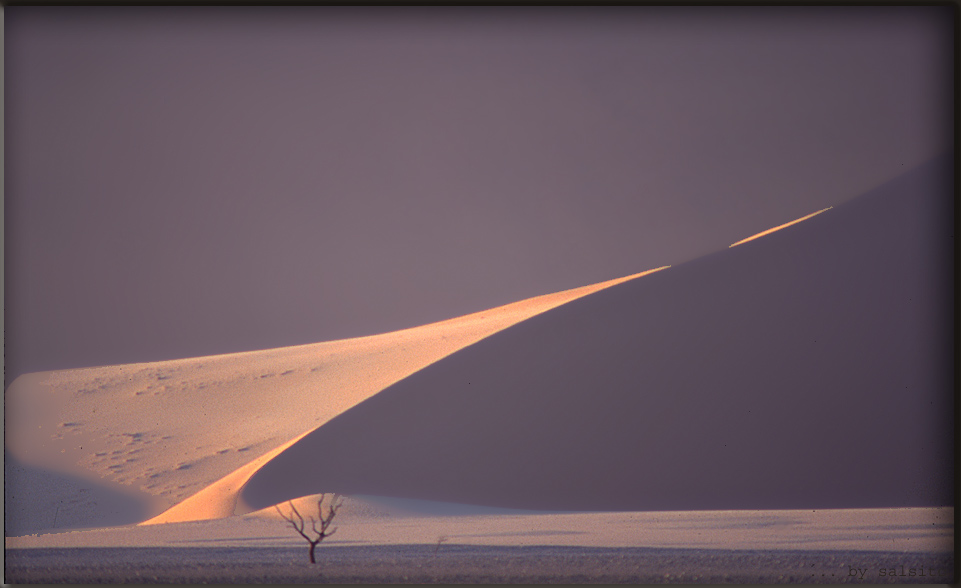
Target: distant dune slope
point(155, 433)
point(808, 368)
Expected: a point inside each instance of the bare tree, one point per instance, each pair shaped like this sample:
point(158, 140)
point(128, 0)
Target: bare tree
point(300, 525)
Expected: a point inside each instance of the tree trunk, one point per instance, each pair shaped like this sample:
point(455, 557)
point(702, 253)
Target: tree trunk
point(312, 546)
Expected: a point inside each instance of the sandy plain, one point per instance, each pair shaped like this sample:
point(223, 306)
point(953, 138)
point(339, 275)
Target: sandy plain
point(387, 541)
point(471, 564)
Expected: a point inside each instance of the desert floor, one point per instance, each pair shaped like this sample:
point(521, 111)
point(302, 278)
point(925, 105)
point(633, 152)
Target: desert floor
point(386, 542)
point(457, 563)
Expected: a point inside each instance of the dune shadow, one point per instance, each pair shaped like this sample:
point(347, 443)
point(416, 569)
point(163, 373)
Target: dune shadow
point(37, 500)
point(811, 368)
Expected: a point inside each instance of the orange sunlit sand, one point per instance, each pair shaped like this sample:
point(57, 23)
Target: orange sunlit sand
point(779, 227)
point(166, 431)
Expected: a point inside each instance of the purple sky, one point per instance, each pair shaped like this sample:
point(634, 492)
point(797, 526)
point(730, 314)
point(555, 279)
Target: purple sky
point(186, 181)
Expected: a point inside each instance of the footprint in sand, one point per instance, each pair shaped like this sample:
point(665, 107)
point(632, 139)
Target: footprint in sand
point(134, 437)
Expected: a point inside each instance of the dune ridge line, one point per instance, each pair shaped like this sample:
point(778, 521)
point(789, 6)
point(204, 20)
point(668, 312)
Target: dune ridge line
point(724, 364)
point(220, 499)
point(133, 425)
point(778, 228)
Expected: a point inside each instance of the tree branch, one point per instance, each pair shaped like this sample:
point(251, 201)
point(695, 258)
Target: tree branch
point(299, 524)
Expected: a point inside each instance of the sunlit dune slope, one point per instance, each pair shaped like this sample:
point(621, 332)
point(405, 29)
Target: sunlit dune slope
point(808, 368)
point(159, 432)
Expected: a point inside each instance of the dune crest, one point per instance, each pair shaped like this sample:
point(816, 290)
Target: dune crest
point(171, 429)
point(790, 374)
point(779, 227)
point(220, 499)
point(786, 375)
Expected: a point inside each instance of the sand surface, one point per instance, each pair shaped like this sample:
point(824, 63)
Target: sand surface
point(811, 367)
point(600, 430)
point(372, 521)
point(453, 563)
point(384, 540)
point(125, 443)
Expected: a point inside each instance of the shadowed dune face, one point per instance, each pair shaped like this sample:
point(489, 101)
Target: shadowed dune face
point(810, 368)
point(59, 501)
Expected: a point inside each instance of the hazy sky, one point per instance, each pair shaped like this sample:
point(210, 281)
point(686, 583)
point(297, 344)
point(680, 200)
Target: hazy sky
point(187, 181)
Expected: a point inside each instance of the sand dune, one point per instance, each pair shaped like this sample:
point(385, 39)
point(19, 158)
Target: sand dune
point(808, 367)
point(159, 432)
